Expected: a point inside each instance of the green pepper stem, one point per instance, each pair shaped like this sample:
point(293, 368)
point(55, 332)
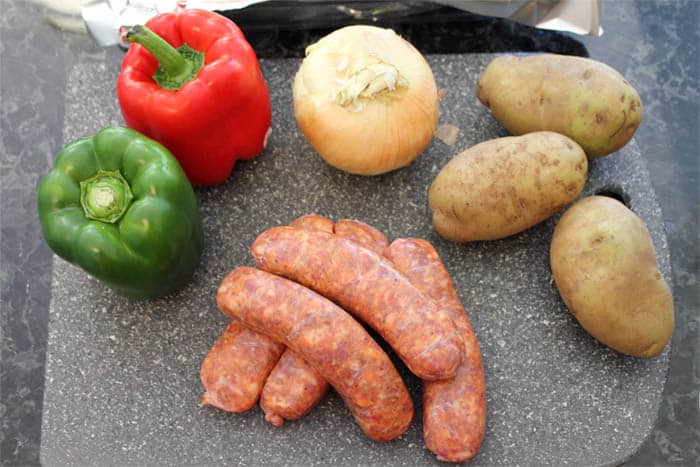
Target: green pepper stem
point(105, 196)
point(176, 66)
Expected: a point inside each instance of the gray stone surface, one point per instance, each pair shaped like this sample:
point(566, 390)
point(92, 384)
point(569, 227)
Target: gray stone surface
point(122, 382)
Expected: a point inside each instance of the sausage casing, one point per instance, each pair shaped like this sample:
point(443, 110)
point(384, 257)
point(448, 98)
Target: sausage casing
point(235, 369)
point(314, 222)
point(293, 388)
point(454, 411)
point(363, 234)
point(329, 339)
point(367, 285)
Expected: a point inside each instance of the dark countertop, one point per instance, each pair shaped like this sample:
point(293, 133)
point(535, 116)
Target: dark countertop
point(654, 44)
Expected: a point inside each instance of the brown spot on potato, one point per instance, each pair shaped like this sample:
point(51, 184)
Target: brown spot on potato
point(454, 213)
point(587, 74)
point(633, 105)
point(619, 129)
point(541, 100)
point(622, 98)
point(600, 118)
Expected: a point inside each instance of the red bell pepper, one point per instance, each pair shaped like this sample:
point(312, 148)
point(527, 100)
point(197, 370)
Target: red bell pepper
point(191, 81)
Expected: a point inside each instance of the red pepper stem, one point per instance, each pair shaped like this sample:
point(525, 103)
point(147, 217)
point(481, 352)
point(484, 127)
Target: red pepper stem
point(177, 66)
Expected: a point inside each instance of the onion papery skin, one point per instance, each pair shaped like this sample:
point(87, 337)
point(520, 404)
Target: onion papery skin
point(373, 134)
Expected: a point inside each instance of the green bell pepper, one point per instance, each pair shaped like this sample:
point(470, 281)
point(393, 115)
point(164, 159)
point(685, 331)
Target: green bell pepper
point(118, 205)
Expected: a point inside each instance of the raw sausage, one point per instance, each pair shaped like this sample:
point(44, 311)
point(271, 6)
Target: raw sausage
point(294, 387)
point(367, 285)
point(329, 339)
point(363, 234)
point(454, 411)
point(235, 369)
point(314, 222)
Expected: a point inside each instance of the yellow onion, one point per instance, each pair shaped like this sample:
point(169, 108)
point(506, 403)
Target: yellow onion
point(366, 100)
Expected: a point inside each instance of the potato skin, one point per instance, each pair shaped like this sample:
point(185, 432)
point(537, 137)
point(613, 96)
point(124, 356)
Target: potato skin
point(504, 186)
point(605, 268)
point(581, 98)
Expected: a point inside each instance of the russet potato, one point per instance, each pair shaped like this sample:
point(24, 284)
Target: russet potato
point(605, 268)
point(581, 98)
point(504, 186)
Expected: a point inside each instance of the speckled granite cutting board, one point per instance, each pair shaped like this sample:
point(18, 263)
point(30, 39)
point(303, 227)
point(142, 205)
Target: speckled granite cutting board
point(122, 378)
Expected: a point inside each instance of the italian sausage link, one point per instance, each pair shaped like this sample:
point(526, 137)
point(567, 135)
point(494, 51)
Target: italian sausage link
point(367, 285)
point(363, 234)
point(454, 411)
point(313, 222)
point(294, 387)
point(329, 339)
point(235, 369)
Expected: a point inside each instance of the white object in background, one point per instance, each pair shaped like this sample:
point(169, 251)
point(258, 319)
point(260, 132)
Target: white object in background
point(577, 16)
point(105, 19)
point(574, 16)
point(101, 22)
point(63, 14)
point(221, 5)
